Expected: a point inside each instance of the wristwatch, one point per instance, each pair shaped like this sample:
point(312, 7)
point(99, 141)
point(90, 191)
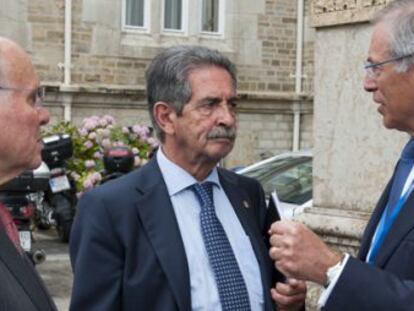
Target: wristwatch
point(333, 271)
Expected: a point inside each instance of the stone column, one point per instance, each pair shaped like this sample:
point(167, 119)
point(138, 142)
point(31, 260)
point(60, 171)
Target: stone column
point(354, 154)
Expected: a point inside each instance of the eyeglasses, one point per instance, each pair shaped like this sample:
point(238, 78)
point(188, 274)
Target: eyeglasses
point(37, 95)
point(374, 69)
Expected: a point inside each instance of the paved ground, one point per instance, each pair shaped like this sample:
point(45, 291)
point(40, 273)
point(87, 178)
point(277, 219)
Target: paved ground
point(55, 271)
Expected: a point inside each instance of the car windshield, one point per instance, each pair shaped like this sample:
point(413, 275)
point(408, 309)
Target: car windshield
point(290, 176)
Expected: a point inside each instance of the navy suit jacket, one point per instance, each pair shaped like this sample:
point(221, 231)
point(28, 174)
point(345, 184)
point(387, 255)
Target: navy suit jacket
point(388, 284)
point(21, 288)
point(126, 248)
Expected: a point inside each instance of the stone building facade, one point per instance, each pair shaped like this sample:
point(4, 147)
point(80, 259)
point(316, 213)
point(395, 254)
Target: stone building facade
point(92, 62)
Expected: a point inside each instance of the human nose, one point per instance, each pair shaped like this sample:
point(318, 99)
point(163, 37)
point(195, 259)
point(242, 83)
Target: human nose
point(227, 115)
point(44, 115)
point(369, 82)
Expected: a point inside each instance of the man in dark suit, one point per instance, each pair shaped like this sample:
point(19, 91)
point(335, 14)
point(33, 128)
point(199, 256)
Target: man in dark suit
point(180, 233)
point(382, 277)
point(21, 116)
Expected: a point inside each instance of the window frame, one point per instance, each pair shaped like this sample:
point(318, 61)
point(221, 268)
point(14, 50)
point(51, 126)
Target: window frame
point(184, 20)
point(146, 18)
point(221, 18)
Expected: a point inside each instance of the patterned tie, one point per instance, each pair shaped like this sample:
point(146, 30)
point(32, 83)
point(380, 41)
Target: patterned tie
point(231, 287)
point(6, 221)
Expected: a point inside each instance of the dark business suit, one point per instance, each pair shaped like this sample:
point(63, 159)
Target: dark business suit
point(21, 288)
point(126, 248)
point(366, 287)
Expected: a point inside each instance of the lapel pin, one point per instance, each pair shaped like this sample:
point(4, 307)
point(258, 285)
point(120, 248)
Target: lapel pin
point(245, 204)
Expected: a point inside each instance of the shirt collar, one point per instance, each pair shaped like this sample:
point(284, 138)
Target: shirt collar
point(178, 179)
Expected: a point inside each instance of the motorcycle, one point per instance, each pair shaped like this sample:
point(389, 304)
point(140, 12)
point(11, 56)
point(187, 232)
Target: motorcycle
point(20, 196)
point(59, 202)
point(117, 162)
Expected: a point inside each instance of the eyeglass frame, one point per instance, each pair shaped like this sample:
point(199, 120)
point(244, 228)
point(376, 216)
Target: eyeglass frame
point(370, 66)
point(38, 92)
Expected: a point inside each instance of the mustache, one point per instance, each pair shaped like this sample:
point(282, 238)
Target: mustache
point(222, 132)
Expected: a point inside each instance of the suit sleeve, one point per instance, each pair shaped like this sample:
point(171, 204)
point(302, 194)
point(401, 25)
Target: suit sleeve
point(365, 287)
point(96, 257)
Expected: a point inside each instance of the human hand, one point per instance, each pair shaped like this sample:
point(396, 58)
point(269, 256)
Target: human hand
point(299, 253)
point(289, 296)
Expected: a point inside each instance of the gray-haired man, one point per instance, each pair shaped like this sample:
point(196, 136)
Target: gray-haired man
point(382, 277)
point(180, 234)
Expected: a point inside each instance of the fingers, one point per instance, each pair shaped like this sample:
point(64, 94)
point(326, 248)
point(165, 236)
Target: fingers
point(280, 227)
point(291, 287)
point(290, 294)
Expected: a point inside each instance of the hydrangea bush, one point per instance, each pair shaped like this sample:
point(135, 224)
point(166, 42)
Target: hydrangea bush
point(94, 136)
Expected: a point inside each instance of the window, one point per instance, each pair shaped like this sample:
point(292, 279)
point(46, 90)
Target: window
point(173, 10)
point(135, 14)
point(210, 16)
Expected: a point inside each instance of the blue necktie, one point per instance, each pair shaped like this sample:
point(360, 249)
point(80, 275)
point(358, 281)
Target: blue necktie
point(403, 169)
point(230, 284)
point(395, 199)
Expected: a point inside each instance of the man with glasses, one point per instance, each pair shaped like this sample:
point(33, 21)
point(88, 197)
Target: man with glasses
point(381, 278)
point(21, 117)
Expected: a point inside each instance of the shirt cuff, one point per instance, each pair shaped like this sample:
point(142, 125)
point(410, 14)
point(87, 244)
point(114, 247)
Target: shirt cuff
point(327, 291)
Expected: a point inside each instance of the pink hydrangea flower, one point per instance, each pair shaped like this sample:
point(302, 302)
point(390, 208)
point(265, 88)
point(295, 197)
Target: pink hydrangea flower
point(106, 133)
point(92, 135)
point(88, 184)
point(83, 132)
point(103, 122)
point(88, 144)
point(98, 155)
point(106, 143)
point(90, 164)
point(97, 177)
point(109, 119)
point(153, 142)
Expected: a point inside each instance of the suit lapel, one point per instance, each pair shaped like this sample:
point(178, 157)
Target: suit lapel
point(24, 273)
point(158, 218)
point(244, 209)
point(401, 226)
point(373, 222)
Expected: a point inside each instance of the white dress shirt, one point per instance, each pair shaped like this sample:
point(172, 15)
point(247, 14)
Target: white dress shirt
point(204, 292)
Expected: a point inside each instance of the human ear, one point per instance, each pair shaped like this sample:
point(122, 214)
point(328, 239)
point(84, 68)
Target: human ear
point(165, 117)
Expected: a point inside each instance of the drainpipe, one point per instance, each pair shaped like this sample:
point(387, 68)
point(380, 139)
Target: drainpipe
point(298, 75)
point(67, 102)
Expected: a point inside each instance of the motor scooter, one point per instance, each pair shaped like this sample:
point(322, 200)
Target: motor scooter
point(20, 196)
point(60, 199)
point(117, 162)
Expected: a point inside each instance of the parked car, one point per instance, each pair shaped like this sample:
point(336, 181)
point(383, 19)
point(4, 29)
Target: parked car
point(287, 179)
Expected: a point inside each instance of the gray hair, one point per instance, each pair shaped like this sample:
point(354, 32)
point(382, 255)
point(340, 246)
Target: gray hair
point(167, 76)
point(399, 14)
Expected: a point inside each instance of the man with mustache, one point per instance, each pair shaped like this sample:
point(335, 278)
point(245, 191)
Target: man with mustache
point(21, 117)
point(180, 233)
